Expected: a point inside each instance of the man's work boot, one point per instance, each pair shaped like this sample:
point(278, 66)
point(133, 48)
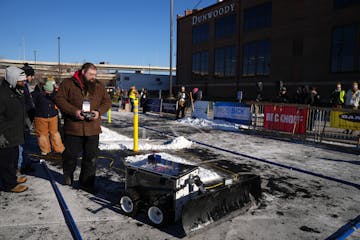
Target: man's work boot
point(21, 179)
point(67, 181)
point(19, 188)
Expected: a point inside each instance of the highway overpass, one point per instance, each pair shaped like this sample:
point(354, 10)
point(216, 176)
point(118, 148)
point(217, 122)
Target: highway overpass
point(106, 72)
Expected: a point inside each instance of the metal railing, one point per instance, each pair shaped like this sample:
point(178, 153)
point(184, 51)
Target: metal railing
point(318, 124)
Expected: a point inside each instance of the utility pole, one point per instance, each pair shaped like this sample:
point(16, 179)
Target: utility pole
point(24, 52)
point(59, 73)
point(35, 60)
point(171, 45)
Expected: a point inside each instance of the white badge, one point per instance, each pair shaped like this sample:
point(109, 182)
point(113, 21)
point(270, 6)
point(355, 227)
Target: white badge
point(86, 106)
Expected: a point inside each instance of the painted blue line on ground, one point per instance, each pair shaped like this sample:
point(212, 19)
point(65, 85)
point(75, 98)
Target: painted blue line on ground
point(64, 208)
point(346, 230)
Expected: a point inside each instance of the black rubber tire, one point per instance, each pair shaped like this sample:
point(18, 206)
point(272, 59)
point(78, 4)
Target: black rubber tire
point(159, 215)
point(129, 202)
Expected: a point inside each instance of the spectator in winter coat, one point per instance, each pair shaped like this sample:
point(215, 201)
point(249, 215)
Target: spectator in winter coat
point(283, 95)
point(12, 117)
point(314, 97)
point(306, 95)
point(29, 110)
point(314, 100)
point(182, 97)
point(133, 93)
point(353, 96)
point(337, 97)
point(298, 96)
point(196, 94)
point(29, 103)
point(259, 91)
point(143, 99)
point(46, 119)
point(82, 100)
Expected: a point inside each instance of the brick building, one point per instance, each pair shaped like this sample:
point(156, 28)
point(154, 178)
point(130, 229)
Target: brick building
point(233, 44)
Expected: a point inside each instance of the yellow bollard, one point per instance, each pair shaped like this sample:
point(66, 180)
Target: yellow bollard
point(136, 125)
point(109, 115)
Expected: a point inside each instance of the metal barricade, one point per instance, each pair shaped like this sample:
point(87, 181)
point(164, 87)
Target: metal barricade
point(318, 124)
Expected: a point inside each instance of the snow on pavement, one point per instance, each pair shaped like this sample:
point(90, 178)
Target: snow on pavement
point(111, 140)
point(215, 124)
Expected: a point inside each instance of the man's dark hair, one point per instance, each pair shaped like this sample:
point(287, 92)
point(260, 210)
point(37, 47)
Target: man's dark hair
point(87, 66)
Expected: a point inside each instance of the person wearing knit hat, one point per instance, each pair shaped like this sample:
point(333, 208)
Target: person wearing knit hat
point(29, 103)
point(11, 128)
point(46, 119)
point(29, 110)
point(49, 86)
point(13, 75)
point(29, 71)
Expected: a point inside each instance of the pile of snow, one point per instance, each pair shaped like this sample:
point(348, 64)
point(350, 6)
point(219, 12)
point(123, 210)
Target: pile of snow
point(108, 135)
point(205, 175)
point(216, 124)
point(197, 122)
point(111, 140)
point(177, 143)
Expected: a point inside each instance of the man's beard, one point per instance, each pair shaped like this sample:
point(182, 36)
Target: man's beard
point(89, 86)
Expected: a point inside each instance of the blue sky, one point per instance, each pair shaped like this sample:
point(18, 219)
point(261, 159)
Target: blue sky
point(134, 32)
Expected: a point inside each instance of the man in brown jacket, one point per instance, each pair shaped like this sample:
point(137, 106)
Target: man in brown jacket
point(82, 100)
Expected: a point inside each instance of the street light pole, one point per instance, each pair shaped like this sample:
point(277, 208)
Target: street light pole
point(59, 73)
point(171, 44)
point(35, 60)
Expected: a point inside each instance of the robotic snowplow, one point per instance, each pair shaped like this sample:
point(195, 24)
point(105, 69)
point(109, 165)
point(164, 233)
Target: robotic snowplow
point(170, 191)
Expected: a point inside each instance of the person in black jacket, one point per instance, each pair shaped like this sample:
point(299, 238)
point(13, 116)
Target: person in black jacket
point(29, 103)
point(182, 99)
point(143, 99)
point(314, 97)
point(29, 113)
point(12, 118)
point(46, 119)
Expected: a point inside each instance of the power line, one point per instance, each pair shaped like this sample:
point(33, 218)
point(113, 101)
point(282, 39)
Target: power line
point(197, 4)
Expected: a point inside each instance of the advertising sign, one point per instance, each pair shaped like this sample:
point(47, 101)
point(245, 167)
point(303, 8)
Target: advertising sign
point(169, 106)
point(285, 118)
point(345, 120)
point(201, 109)
point(232, 112)
point(153, 105)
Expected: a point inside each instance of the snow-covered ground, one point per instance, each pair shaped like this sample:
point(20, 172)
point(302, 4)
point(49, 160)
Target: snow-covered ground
point(215, 124)
point(294, 205)
point(111, 140)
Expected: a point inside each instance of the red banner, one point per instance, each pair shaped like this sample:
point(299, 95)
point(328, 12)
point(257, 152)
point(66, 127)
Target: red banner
point(285, 118)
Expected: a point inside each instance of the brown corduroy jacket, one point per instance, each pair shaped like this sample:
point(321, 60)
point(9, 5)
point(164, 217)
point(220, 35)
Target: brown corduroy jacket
point(70, 98)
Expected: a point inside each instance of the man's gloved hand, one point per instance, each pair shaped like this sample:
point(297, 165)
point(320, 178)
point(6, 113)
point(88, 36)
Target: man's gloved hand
point(3, 141)
point(88, 115)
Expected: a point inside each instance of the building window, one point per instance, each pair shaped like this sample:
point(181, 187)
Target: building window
point(256, 58)
point(297, 48)
point(225, 62)
point(258, 17)
point(200, 33)
point(200, 63)
point(343, 55)
point(225, 27)
point(345, 3)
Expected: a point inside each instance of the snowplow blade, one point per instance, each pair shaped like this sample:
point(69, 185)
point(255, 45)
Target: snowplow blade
point(222, 202)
